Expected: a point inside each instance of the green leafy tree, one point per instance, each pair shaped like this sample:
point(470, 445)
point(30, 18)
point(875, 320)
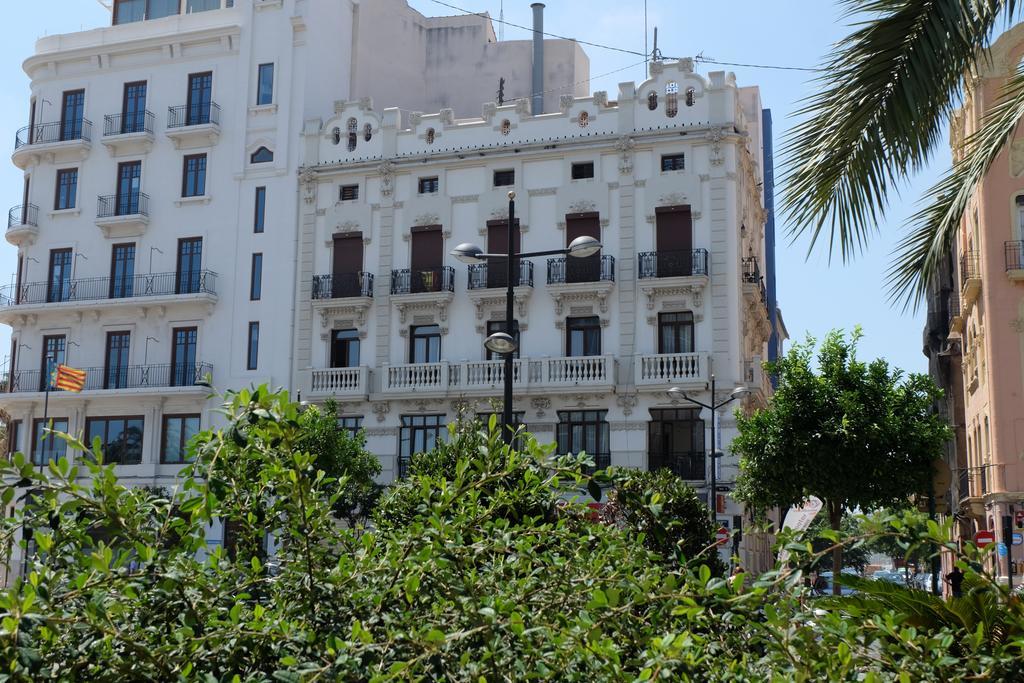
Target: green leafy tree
point(853, 434)
point(344, 458)
point(878, 112)
point(855, 555)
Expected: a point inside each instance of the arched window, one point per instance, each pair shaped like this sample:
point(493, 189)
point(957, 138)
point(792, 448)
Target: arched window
point(671, 99)
point(261, 156)
point(368, 132)
point(506, 127)
point(584, 119)
point(430, 136)
point(689, 96)
point(652, 100)
point(353, 127)
point(336, 134)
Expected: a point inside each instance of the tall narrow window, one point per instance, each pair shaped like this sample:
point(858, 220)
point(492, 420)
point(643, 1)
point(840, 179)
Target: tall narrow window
point(200, 98)
point(425, 344)
point(177, 432)
point(67, 189)
point(133, 108)
point(260, 210)
point(53, 355)
point(59, 284)
point(46, 446)
point(353, 127)
point(115, 373)
point(671, 99)
point(122, 271)
point(256, 278)
point(72, 115)
point(652, 100)
point(583, 336)
point(265, 84)
point(129, 184)
point(675, 332)
point(674, 241)
point(13, 438)
point(190, 257)
point(345, 349)
point(184, 370)
point(193, 176)
point(253, 351)
point(689, 97)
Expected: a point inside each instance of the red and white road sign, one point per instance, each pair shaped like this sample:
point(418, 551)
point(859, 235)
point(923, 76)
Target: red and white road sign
point(984, 538)
point(722, 536)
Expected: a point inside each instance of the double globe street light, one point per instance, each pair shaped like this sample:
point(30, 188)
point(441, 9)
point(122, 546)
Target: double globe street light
point(677, 394)
point(504, 343)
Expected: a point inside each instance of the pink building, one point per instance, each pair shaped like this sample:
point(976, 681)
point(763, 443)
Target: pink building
point(987, 326)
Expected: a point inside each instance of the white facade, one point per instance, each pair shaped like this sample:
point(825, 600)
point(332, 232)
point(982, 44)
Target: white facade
point(147, 332)
point(439, 175)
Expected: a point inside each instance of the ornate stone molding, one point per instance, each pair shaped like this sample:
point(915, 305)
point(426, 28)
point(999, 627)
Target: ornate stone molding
point(565, 103)
point(356, 307)
point(307, 178)
point(386, 170)
point(627, 402)
point(582, 206)
point(381, 410)
point(465, 198)
point(715, 137)
point(541, 405)
point(381, 431)
point(627, 426)
point(625, 147)
point(542, 191)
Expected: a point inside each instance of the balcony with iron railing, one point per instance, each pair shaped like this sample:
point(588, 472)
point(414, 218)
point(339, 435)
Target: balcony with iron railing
point(65, 140)
point(423, 281)
point(123, 215)
point(1013, 253)
point(167, 287)
point(686, 465)
point(194, 125)
point(138, 378)
point(22, 223)
point(342, 286)
point(956, 321)
point(568, 270)
point(483, 277)
point(970, 278)
point(662, 264)
point(128, 132)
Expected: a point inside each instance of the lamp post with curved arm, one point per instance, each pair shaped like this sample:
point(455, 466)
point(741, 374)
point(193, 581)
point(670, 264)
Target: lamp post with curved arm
point(676, 393)
point(504, 343)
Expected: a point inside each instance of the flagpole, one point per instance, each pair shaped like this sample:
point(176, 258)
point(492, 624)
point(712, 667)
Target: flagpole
point(46, 408)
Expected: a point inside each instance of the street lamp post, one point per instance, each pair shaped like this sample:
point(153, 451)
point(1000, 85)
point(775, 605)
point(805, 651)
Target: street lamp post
point(504, 343)
point(676, 393)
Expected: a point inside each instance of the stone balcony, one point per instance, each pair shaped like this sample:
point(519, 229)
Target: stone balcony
point(662, 371)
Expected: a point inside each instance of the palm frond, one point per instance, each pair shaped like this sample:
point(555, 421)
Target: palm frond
point(918, 255)
point(879, 110)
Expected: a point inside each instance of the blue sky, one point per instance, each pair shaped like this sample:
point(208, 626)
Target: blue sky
point(815, 296)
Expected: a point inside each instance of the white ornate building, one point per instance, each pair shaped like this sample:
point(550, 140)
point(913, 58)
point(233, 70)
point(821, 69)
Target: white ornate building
point(156, 236)
point(667, 175)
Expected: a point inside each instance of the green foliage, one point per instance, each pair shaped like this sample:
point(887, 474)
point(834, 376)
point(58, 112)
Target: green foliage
point(471, 586)
point(853, 434)
point(878, 111)
point(661, 509)
point(344, 458)
point(855, 555)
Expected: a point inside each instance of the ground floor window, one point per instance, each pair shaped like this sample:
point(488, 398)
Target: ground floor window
point(351, 424)
point(46, 446)
point(517, 423)
point(419, 433)
point(675, 441)
point(585, 430)
point(120, 438)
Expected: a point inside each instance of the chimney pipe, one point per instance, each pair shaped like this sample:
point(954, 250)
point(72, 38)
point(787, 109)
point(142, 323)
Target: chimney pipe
point(538, 58)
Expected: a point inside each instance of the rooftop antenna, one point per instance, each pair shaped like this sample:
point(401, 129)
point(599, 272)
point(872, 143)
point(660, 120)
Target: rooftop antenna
point(501, 92)
point(656, 53)
point(646, 53)
point(501, 20)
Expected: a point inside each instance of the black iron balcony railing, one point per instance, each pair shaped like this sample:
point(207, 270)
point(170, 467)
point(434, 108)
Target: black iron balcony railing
point(964, 484)
point(101, 288)
point(23, 214)
point(57, 131)
point(113, 378)
point(752, 275)
point(692, 466)
point(1014, 251)
point(124, 124)
point(571, 269)
point(193, 115)
point(953, 303)
point(970, 267)
point(342, 285)
point(128, 204)
point(409, 281)
point(673, 263)
point(482, 277)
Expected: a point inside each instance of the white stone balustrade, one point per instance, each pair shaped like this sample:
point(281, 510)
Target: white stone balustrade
point(671, 368)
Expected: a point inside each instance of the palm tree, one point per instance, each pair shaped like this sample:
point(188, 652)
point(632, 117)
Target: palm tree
point(883, 98)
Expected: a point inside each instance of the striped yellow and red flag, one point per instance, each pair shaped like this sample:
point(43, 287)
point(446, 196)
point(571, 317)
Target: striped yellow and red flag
point(69, 379)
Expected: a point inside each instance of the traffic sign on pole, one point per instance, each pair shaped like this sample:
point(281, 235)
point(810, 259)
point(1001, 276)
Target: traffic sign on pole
point(1018, 539)
point(984, 538)
point(722, 536)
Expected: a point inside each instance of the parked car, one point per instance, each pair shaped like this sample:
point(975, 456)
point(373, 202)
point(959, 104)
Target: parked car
point(843, 590)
